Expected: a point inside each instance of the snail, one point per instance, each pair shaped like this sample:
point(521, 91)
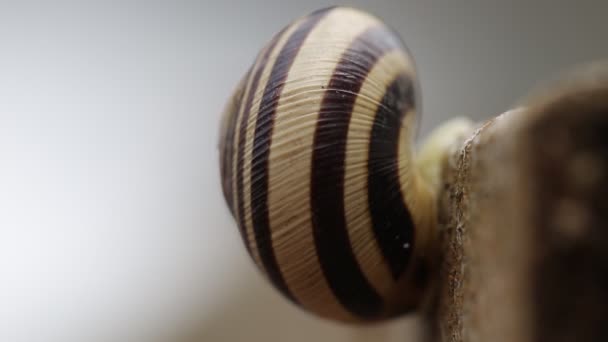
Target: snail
point(318, 169)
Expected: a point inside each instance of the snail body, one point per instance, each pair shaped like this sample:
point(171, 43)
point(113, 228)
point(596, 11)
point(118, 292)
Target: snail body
point(318, 168)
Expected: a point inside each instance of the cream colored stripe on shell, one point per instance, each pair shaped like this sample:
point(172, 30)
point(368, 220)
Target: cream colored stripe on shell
point(417, 194)
point(291, 154)
point(250, 132)
point(237, 135)
point(358, 217)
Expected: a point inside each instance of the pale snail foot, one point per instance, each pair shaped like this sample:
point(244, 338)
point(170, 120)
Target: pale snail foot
point(438, 145)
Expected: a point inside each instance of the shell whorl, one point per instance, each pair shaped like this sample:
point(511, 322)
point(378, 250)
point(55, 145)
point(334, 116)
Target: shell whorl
point(316, 155)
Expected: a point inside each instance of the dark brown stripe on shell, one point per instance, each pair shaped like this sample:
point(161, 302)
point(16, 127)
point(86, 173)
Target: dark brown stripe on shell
point(334, 250)
point(227, 145)
point(240, 157)
point(261, 149)
point(392, 222)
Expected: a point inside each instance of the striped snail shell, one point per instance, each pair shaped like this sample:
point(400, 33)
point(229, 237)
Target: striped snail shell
point(317, 166)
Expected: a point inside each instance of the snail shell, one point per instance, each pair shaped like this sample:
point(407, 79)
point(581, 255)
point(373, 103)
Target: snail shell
point(317, 168)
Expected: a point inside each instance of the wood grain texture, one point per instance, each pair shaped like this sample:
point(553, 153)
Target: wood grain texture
point(524, 213)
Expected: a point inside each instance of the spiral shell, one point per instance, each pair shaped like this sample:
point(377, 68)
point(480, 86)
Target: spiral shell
point(317, 167)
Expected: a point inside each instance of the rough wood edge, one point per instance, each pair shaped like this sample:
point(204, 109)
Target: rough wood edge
point(508, 271)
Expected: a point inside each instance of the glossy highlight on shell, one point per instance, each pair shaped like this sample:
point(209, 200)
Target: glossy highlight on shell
point(316, 156)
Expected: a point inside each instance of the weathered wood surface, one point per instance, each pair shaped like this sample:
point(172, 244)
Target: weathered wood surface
point(524, 212)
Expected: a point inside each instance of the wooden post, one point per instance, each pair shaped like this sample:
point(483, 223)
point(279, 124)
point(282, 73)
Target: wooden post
point(524, 215)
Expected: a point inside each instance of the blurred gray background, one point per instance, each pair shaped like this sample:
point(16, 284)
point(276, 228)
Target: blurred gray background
point(112, 224)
